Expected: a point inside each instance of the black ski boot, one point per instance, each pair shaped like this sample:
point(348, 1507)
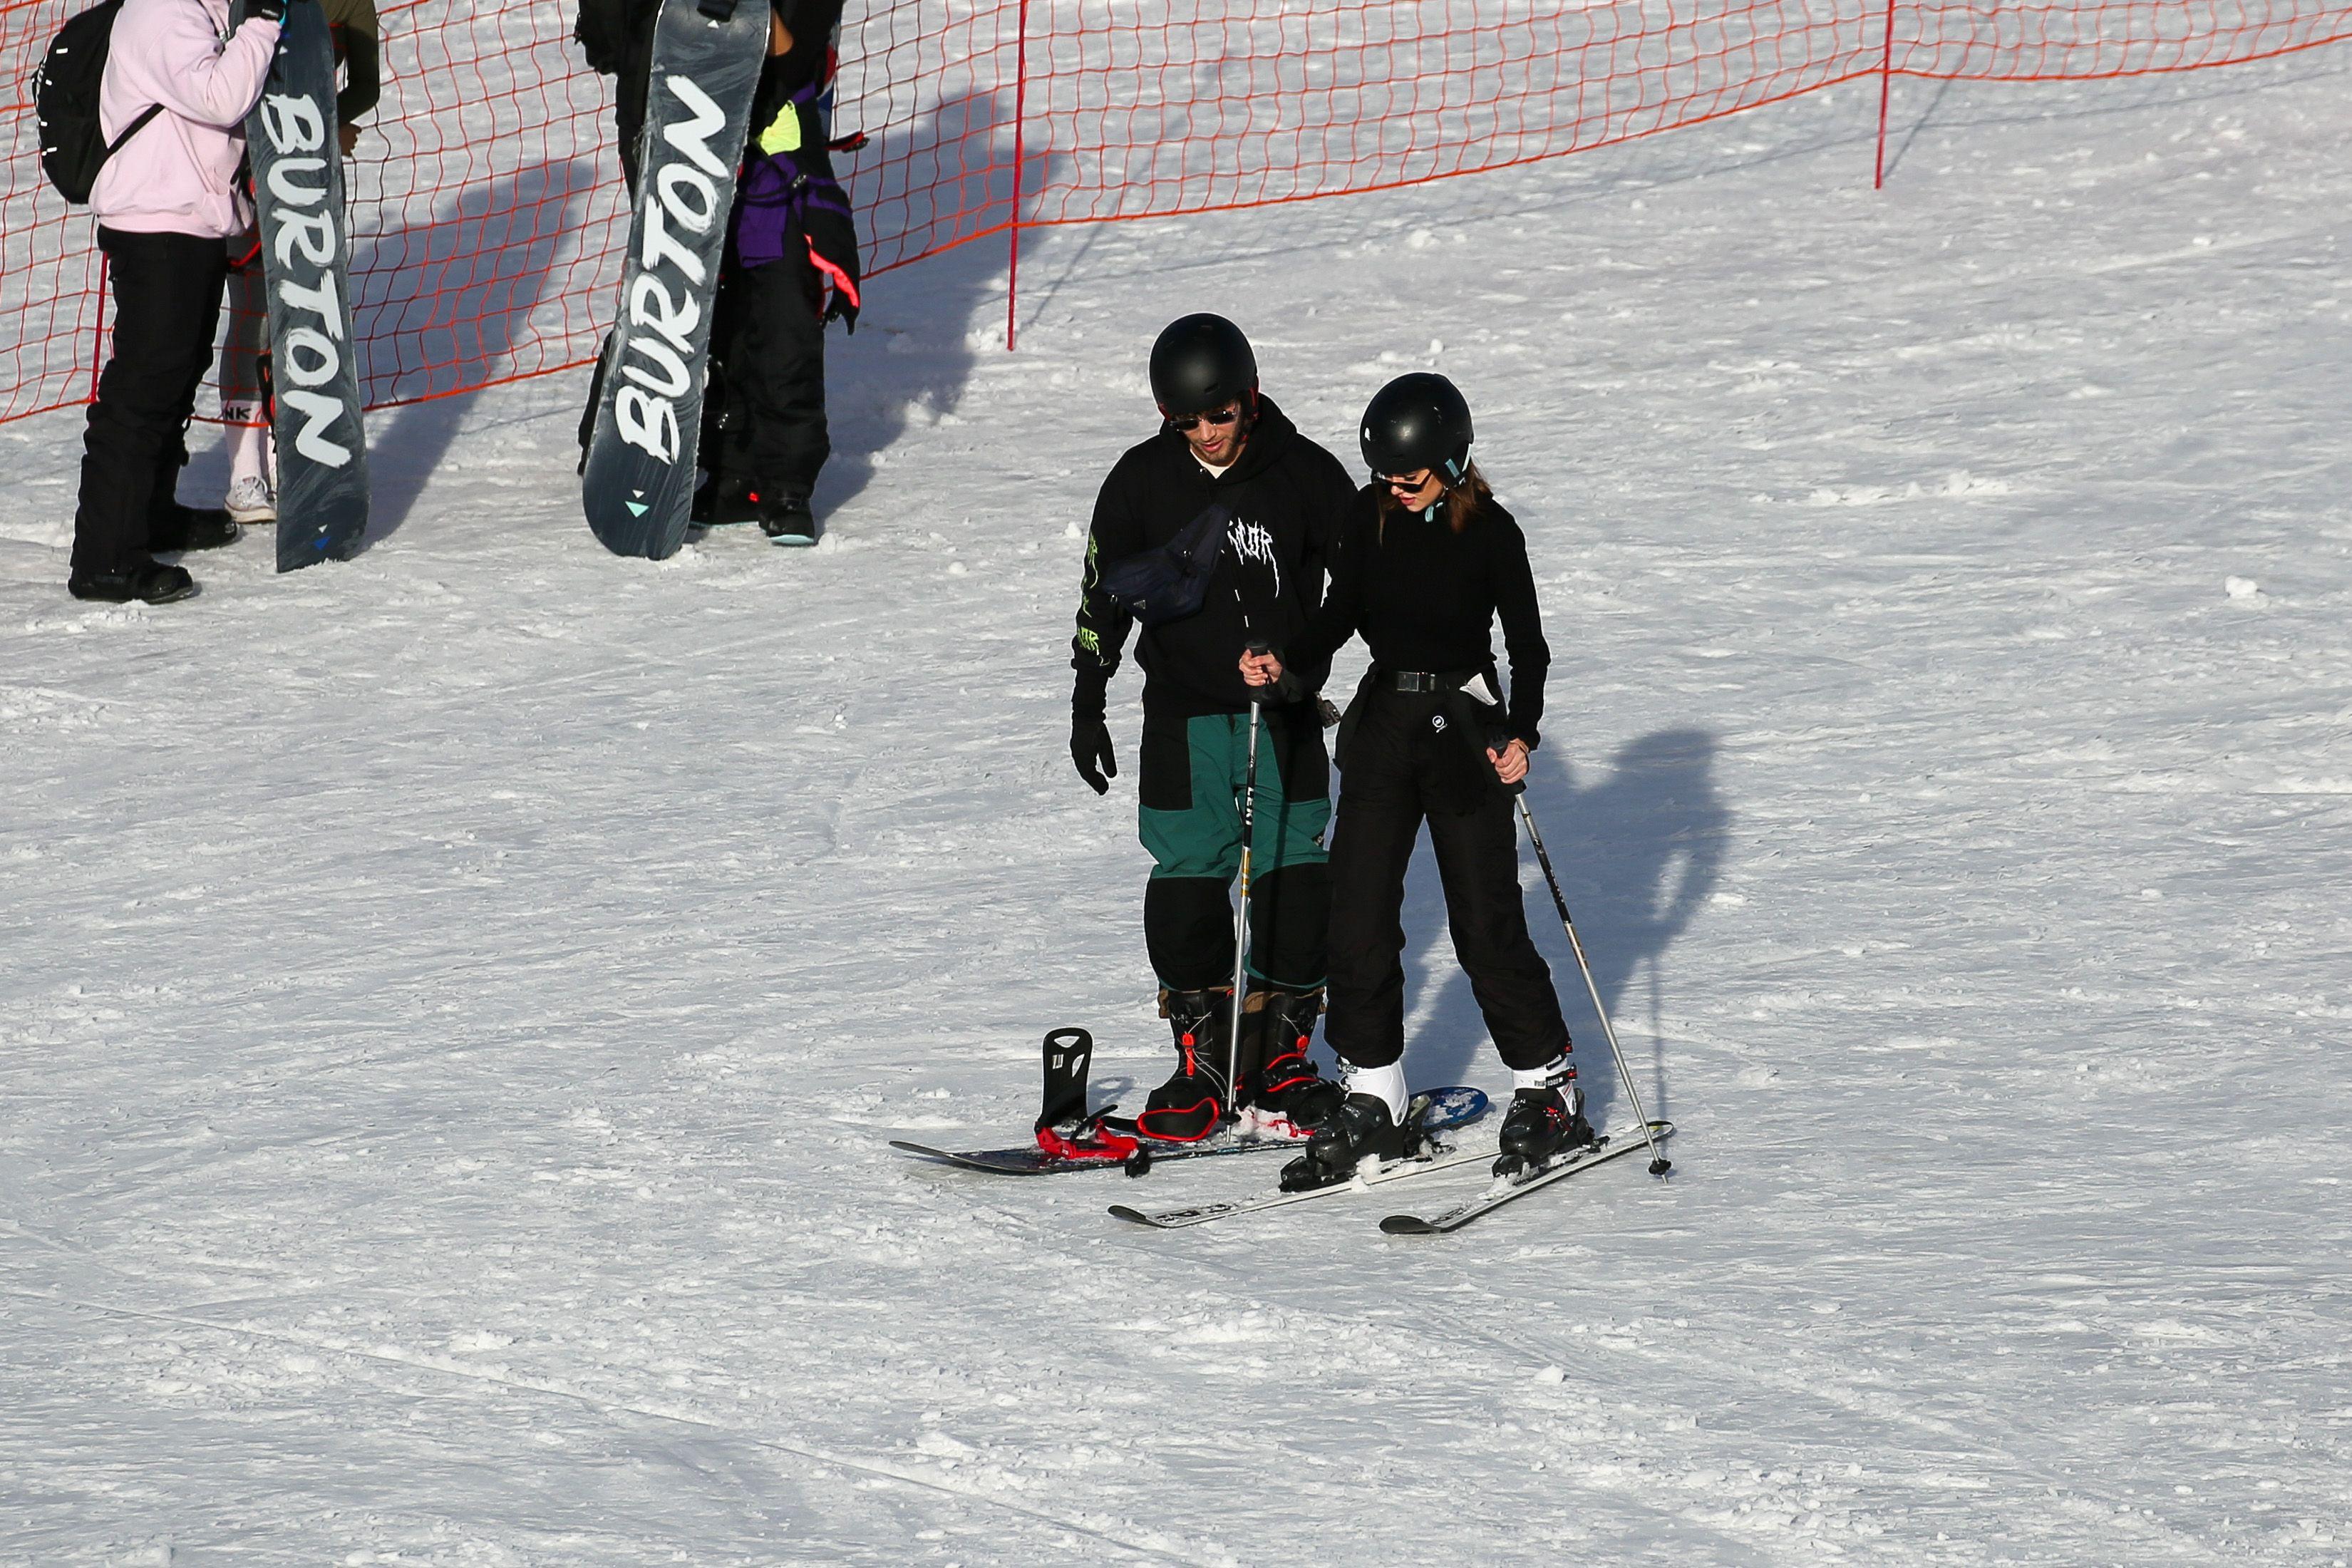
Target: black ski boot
point(1282, 1095)
point(1193, 1103)
point(1360, 1130)
point(1543, 1123)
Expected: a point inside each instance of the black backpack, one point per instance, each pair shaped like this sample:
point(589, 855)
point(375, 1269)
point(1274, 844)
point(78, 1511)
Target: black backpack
point(65, 97)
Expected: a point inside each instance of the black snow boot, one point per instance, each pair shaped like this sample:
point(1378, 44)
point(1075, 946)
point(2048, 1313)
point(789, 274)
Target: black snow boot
point(1281, 1091)
point(725, 499)
point(150, 583)
point(787, 520)
point(1543, 1123)
point(178, 527)
point(1193, 1103)
point(1360, 1130)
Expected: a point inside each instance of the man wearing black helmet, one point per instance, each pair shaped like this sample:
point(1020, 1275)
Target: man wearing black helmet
point(1229, 485)
point(1430, 561)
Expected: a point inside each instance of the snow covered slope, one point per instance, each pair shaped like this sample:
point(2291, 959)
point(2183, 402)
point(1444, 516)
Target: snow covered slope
point(455, 1004)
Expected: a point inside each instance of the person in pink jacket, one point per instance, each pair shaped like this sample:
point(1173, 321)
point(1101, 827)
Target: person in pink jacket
point(164, 202)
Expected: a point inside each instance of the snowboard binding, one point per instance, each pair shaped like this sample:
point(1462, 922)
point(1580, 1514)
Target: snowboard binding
point(1067, 1129)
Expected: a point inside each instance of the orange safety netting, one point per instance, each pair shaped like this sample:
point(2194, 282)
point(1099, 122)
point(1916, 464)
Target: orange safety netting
point(486, 211)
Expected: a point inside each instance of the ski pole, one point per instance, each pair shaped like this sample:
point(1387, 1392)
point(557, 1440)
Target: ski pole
point(1659, 1164)
point(1241, 904)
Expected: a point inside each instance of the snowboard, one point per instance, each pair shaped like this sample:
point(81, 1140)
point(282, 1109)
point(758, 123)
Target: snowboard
point(638, 481)
point(298, 188)
point(1446, 1107)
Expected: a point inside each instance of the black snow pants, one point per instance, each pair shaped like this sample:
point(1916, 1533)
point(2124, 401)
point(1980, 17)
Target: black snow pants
point(167, 300)
point(1402, 768)
point(767, 424)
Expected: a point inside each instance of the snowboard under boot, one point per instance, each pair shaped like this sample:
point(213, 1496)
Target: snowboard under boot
point(1281, 1093)
point(1542, 1123)
point(1193, 1103)
point(1360, 1130)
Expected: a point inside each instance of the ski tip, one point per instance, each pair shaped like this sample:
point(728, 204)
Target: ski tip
point(1122, 1211)
point(1407, 1225)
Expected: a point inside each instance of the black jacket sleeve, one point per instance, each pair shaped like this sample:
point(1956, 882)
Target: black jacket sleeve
point(1334, 501)
point(1523, 637)
point(604, 31)
point(1101, 638)
point(1343, 600)
point(364, 84)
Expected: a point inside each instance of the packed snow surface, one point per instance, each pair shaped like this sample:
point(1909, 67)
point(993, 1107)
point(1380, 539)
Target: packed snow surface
point(456, 1002)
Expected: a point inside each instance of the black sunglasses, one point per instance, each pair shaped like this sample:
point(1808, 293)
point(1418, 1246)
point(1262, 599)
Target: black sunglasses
point(1225, 415)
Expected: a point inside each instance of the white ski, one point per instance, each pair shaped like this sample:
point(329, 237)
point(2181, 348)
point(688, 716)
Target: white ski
point(1504, 1190)
point(1439, 1158)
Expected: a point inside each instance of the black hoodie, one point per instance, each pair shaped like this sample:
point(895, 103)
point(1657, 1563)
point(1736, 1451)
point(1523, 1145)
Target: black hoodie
point(1288, 499)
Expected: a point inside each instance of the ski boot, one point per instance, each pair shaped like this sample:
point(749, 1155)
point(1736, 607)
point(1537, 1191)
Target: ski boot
point(1193, 1103)
point(1281, 1094)
point(1543, 1123)
point(1360, 1130)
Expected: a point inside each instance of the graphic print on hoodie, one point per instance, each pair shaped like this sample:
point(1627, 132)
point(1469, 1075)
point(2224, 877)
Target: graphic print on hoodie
point(1286, 498)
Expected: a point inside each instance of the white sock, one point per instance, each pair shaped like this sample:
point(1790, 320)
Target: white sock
point(1381, 1083)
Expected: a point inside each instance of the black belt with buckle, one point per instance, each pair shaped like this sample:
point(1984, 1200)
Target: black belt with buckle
point(1423, 680)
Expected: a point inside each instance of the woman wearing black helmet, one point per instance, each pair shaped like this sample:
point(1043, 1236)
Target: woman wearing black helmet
point(1428, 562)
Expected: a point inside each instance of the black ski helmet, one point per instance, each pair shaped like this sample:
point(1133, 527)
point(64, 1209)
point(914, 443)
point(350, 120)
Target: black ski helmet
point(1201, 361)
point(1418, 421)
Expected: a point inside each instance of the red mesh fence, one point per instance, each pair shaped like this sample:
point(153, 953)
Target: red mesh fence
point(486, 203)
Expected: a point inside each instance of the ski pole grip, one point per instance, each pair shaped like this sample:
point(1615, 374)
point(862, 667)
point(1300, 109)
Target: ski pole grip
point(1496, 740)
point(1262, 695)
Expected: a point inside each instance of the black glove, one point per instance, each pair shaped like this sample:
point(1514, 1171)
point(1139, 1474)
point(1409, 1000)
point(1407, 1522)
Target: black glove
point(833, 251)
point(1287, 688)
point(1091, 750)
point(267, 10)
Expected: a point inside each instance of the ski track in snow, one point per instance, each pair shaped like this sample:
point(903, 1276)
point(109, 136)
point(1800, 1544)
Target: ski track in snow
point(456, 1001)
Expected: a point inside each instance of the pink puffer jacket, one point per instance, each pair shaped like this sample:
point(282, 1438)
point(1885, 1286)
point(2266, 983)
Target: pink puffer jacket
point(178, 175)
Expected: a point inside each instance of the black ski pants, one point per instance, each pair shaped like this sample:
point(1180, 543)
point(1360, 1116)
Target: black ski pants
point(1398, 773)
point(767, 340)
point(167, 302)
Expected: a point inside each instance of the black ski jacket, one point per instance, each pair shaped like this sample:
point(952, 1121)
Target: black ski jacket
point(617, 38)
point(1288, 499)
